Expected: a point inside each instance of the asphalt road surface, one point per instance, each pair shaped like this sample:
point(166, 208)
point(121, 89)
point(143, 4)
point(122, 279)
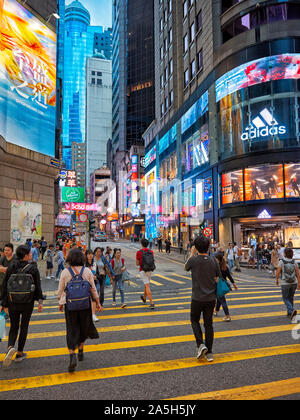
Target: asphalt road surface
point(150, 355)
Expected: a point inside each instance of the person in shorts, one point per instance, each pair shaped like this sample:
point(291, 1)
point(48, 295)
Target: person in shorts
point(49, 261)
point(145, 275)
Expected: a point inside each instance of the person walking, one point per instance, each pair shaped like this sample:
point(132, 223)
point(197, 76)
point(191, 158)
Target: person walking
point(288, 276)
point(118, 265)
point(5, 260)
point(90, 263)
point(168, 246)
point(146, 264)
point(159, 242)
point(19, 304)
point(237, 257)
point(79, 323)
point(49, 261)
point(230, 256)
point(225, 275)
point(205, 275)
point(35, 252)
point(274, 260)
point(103, 268)
point(60, 261)
point(43, 247)
point(251, 260)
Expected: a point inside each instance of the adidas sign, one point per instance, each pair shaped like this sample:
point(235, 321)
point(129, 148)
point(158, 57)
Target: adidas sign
point(264, 125)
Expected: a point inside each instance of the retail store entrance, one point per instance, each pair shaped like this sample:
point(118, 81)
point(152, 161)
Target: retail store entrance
point(268, 230)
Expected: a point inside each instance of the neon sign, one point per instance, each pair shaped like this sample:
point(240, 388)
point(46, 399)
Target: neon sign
point(264, 125)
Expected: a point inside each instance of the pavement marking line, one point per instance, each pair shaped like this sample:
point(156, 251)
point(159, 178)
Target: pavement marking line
point(174, 303)
point(34, 354)
point(180, 297)
point(168, 278)
point(157, 313)
point(131, 327)
point(141, 369)
point(182, 277)
point(264, 391)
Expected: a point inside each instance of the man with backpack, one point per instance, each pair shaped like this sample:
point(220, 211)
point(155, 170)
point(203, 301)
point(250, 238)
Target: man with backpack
point(145, 261)
point(21, 287)
point(288, 275)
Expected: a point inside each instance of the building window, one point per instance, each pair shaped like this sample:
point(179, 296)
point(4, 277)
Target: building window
point(93, 81)
point(99, 73)
point(186, 78)
point(171, 67)
point(185, 43)
point(161, 81)
point(99, 82)
point(200, 60)
point(193, 69)
point(171, 97)
point(162, 109)
point(170, 36)
point(170, 6)
point(192, 32)
point(199, 21)
point(161, 52)
point(161, 25)
point(185, 8)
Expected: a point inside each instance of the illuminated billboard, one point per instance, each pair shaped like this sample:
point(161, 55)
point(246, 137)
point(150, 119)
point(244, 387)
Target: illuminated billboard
point(72, 195)
point(194, 113)
point(292, 180)
point(232, 187)
point(276, 67)
point(264, 182)
point(27, 79)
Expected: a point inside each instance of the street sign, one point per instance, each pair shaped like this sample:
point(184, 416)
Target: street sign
point(83, 217)
point(207, 232)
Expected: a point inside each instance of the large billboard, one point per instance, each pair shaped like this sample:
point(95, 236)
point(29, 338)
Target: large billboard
point(72, 195)
point(264, 182)
point(27, 79)
point(26, 221)
point(276, 67)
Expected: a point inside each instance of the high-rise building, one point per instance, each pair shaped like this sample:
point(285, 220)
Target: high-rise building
point(98, 111)
point(27, 120)
point(223, 154)
point(103, 43)
point(79, 42)
point(133, 76)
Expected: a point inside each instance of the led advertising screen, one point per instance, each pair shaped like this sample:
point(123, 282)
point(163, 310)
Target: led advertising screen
point(232, 187)
point(292, 180)
point(194, 113)
point(27, 79)
point(208, 194)
point(264, 182)
point(276, 67)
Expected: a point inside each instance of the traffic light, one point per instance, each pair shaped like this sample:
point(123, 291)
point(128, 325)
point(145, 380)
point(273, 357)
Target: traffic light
point(92, 226)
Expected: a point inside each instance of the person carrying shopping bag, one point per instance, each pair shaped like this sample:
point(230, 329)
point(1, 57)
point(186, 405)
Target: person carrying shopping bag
point(221, 301)
point(118, 265)
point(75, 292)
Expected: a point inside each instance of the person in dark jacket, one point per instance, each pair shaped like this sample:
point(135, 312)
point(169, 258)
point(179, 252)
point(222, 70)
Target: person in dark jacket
point(20, 313)
point(225, 275)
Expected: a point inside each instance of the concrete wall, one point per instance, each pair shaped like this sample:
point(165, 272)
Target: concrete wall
point(26, 176)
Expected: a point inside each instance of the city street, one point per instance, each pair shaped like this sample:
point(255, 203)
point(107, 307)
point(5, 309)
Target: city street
point(256, 354)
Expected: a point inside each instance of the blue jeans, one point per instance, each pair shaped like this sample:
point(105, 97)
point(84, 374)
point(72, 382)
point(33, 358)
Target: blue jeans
point(60, 268)
point(288, 293)
point(231, 264)
point(118, 282)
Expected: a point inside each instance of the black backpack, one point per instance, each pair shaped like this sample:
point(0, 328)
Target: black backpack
point(20, 286)
point(147, 264)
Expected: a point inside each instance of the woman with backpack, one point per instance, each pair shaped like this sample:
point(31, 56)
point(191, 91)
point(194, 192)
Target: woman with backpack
point(288, 276)
point(21, 287)
point(78, 309)
point(118, 266)
point(225, 275)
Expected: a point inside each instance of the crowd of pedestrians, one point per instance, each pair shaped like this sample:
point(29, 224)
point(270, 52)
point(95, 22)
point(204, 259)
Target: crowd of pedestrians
point(82, 276)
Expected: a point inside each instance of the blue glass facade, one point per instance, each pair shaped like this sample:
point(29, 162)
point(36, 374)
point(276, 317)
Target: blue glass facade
point(79, 44)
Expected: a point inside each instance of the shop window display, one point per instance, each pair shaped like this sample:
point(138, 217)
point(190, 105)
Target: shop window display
point(264, 182)
point(292, 180)
point(232, 187)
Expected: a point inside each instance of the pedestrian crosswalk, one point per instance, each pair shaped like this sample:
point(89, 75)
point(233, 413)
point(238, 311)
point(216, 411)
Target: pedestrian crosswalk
point(160, 346)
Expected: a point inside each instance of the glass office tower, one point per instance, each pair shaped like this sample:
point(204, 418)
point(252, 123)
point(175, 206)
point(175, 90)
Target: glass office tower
point(79, 43)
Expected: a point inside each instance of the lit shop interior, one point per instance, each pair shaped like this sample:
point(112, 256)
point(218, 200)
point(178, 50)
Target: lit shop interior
point(272, 183)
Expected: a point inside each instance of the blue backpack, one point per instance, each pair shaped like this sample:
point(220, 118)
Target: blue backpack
point(78, 292)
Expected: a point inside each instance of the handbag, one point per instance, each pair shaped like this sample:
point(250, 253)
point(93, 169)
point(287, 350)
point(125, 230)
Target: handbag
point(126, 276)
point(222, 288)
point(2, 326)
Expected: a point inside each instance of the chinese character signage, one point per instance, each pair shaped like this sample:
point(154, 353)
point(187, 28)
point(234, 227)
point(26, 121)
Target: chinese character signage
point(28, 79)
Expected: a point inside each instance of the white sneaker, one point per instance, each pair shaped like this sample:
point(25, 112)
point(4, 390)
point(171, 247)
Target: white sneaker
point(202, 350)
point(8, 357)
point(209, 357)
point(95, 319)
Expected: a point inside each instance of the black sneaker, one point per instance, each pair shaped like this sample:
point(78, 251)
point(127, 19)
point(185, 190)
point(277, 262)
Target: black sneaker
point(143, 299)
point(293, 314)
point(80, 355)
point(20, 357)
point(152, 306)
point(73, 363)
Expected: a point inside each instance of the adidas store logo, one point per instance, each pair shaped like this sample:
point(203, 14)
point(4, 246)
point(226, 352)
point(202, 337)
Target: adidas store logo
point(264, 125)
